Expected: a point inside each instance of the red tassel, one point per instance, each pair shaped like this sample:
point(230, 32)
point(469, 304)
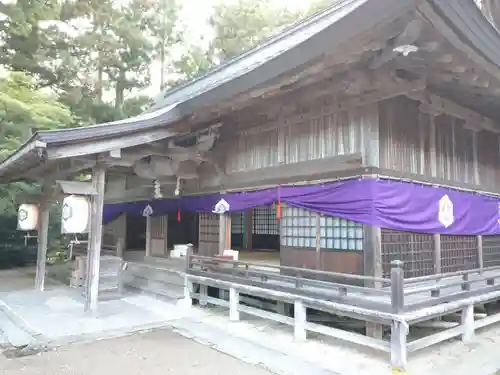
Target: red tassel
point(179, 215)
point(278, 206)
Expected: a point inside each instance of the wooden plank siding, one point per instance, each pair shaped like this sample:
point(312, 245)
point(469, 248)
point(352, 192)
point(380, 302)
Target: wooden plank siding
point(311, 135)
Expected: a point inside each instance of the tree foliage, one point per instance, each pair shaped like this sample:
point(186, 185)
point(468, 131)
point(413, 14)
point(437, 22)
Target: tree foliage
point(79, 62)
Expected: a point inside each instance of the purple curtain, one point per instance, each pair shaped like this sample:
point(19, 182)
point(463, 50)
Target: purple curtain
point(385, 203)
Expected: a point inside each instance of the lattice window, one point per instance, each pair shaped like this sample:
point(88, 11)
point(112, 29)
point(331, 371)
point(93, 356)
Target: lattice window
point(416, 250)
point(458, 253)
point(265, 221)
point(340, 234)
point(491, 251)
point(237, 222)
point(209, 227)
point(298, 227)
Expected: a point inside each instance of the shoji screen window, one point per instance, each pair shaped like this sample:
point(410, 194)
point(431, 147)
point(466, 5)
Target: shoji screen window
point(340, 234)
point(298, 228)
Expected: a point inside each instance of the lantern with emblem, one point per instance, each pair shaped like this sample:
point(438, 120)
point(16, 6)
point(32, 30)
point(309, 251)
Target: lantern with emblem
point(75, 214)
point(27, 217)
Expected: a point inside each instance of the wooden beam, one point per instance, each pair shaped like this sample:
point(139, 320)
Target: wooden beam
point(434, 104)
point(43, 232)
point(284, 173)
point(95, 239)
point(106, 145)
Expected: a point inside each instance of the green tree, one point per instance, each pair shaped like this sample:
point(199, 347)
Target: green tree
point(23, 109)
point(164, 26)
point(242, 24)
point(32, 41)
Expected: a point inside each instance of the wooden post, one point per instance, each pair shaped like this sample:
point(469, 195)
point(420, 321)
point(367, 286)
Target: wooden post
point(224, 232)
point(234, 301)
point(399, 353)
point(468, 324)
point(437, 253)
point(188, 285)
point(148, 235)
point(120, 238)
point(95, 239)
point(203, 295)
point(480, 257)
point(372, 264)
point(248, 228)
point(165, 235)
point(318, 241)
point(299, 322)
point(43, 233)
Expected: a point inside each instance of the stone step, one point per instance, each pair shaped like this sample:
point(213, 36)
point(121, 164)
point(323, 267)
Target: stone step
point(12, 334)
point(155, 287)
point(152, 273)
point(155, 277)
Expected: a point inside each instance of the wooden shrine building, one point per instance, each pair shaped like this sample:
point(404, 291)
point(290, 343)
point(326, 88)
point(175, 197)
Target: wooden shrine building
point(367, 133)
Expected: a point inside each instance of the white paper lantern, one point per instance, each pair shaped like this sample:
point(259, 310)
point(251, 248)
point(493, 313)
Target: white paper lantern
point(75, 214)
point(27, 217)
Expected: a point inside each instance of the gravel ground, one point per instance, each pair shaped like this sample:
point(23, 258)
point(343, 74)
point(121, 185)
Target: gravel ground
point(152, 353)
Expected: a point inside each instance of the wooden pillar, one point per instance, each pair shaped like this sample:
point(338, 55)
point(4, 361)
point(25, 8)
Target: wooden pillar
point(372, 265)
point(165, 235)
point(467, 323)
point(149, 233)
point(95, 239)
point(224, 232)
point(318, 241)
point(399, 331)
point(437, 253)
point(372, 240)
point(477, 181)
point(248, 229)
point(480, 258)
point(121, 235)
point(299, 321)
point(43, 233)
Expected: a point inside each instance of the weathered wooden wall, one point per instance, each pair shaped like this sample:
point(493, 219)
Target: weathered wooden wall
point(461, 155)
point(296, 134)
point(405, 145)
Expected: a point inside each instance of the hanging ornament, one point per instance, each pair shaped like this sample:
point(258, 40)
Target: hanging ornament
point(157, 189)
point(179, 214)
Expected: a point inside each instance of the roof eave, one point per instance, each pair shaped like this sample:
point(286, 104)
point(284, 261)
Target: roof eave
point(31, 146)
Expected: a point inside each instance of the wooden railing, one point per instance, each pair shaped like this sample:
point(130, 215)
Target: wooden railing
point(396, 302)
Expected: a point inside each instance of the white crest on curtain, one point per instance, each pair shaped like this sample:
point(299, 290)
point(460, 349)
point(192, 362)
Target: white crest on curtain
point(221, 207)
point(148, 211)
point(445, 214)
